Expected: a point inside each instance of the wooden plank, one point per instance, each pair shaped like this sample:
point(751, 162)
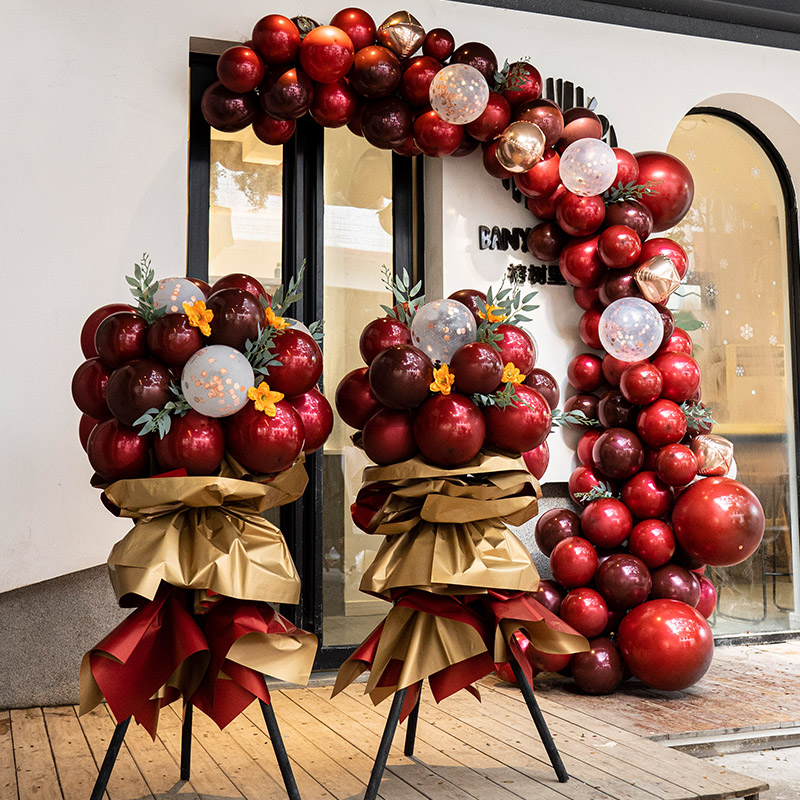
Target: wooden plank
point(126, 780)
point(8, 768)
point(36, 772)
point(76, 767)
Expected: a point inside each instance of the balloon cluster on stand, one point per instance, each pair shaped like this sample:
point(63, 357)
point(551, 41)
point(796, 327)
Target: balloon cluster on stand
point(194, 372)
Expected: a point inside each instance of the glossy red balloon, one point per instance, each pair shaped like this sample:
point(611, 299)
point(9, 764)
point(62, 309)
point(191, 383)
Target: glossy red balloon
point(580, 216)
point(718, 521)
point(516, 347)
point(194, 442)
point(121, 337)
point(641, 383)
point(89, 388)
point(136, 387)
point(619, 246)
point(586, 404)
point(116, 451)
point(537, 460)
point(660, 246)
point(517, 428)
point(600, 670)
point(380, 334)
point(587, 299)
point(263, 444)
point(544, 383)
point(542, 179)
point(477, 368)
point(85, 428)
point(678, 342)
point(586, 611)
point(494, 119)
point(674, 184)
point(240, 69)
point(586, 445)
point(550, 595)
point(434, 136)
point(238, 316)
point(672, 582)
point(276, 39)
point(286, 93)
point(400, 376)
point(376, 72)
point(647, 496)
point(585, 372)
point(583, 479)
point(354, 400)
point(477, 55)
point(632, 214)
point(449, 429)
point(172, 340)
point(661, 423)
point(614, 411)
point(326, 54)
point(226, 110)
point(301, 363)
point(92, 321)
point(546, 240)
point(666, 644)
point(357, 24)
point(617, 453)
point(580, 263)
point(527, 82)
point(493, 166)
point(334, 104)
point(544, 208)
point(623, 580)
point(469, 298)
point(676, 465)
point(573, 562)
point(606, 522)
point(708, 597)
point(627, 167)
point(239, 280)
point(546, 115)
point(555, 525)
point(415, 83)
point(386, 122)
point(439, 44)
point(652, 541)
point(317, 415)
point(680, 374)
point(389, 436)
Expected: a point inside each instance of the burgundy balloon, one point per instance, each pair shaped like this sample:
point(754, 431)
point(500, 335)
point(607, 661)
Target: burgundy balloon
point(580, 123)
point(546, 241)
point(632, 214)
point(226, 110)
point(477, 368)
point(301, 363)
point(517, 428)
point(587, 299)
point(449, 429)
point(469, 297)
point(555, 525)
point(493, 166)
point(672, 582)
point(380, 334)
point(240, 280)
point(619, 454)
point(550, 595)
point(136, 387)
point(354, 400)
point(116, 451)
point(389, 436)
point(614, 411)
point(194, 442)
point(616, 284)
point(238, 315)
point(599, 670)
point(376, 72)
point(667, 319)
point(400, 376)
point(586, 403)
point(276, 39)
point(89, 388)
point(468, 145)
point(333, 104)
point(623, 580)
point(477, 55)
point(317, 415)
point(386, 122)
point(85, 428)
point(172, 340)
point(121, 337)
point(708, 597)
point(286, 93)
point(439, 44)
point(92, 321)
point(263, 444)
point(273, 131)
point(544, 383)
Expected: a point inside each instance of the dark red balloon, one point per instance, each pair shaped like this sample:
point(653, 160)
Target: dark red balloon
point(641, 383)
point(400, 376)
point(647, 496)
point(580, 263)
point(136, 387)
point(623, 580)
point(652, 541)
point(415, 83)
point(116, 451)
point(586, 611)
point(376, 72)
point(586, 403)
point(85, 428)
point(527, 84)
point(239, 280)
point(546, 240)
point(389, 436)
point(238, 315)
point(573, 562)
point(265, 444)
point(517, 428)
point(606, 522)
point(317, 415)
point(326, 54)
point(667, 644)
point(672, 582)
point(537, 460)
point(172, 340)
point(619, 246)
point(585, 372)
point(334, 104)
point(121, 337)
point(544, 383)
point(354, 400)
point(240, 69)
point(680, 374)
point(449, 429)
point(550, 595)
point(600, 670)
point(468, 145)
point(357, 24)
point(226, 110)
point(586, 445)
point(380, 334)
point(632, 214)
point(673, 184)
point(708, 597)
point(276, 39)
point(614, 411)
point(613, 368)
point(661, 423)
point(194, 442)
point(386, 122)
point(477, 55)
point(542, 179)
point(493, 166)
point(546, 115)
point(493, 120)
point(92, 321)
point(676, 465)
point(434, 136)
point(89, 388)
point(587, 299)
point(439, 44)
point(667, 320)
point(627, 167)
point(580, 216)
point(271, 130)
point(618, 453)
point(477, 368)
point(301, 363)
point(469, 298)
point(516, 347)
point(616, 284)
point(286, 93)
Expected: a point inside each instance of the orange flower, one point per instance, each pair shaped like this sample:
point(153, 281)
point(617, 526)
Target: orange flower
point(511, 374)
point(275, 321)
point(442, 380)
point(199, 316)
point(264, 399)
point(490, 315)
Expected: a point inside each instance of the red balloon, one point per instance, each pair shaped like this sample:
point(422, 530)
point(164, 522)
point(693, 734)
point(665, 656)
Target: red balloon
point(194, 442)
point(89, 388)
point(586, 445)
point(549, 594)
point(553, 526)
point(542, 179)
point(237, 317)
point(614, 368)
point(493, 166)
point(494, 119)
point(583, 479)
point(286, 93)
point(226, 110)
point(408, 148)
point(92, 321)
point(545, 384)
point(517, 428)
point(172, 340)
point(357, 24)
point(449, 429)
point(240, 69)
point(477, 55)
point(537, 460)
point(439, 44)
point(543, 208)
point(546, 115)
point(547, 662)
point(317, 415)
point(400, 376)
point(666, 644)
point(389, 436)
point(546, 241)
point(617, 453)
point(647, 496)
point(627, 167)
point(386, 122)
point(527, 84)
point(380, 334)
point(573, 562)
point(276, 39)
point(678, 342)
point(619, 246)
point(680, 374)
point(614, 411)
point(586, 611)
point(85, 428)
point(606, 522)
point(580, 263)
point(580, 123)
point(469, 298)
point(661, 423)
point(376, 72)
point(354, 400)
point(273, 131)
point(585, 372)
point(580, 216)
point(623, 580)
point(676, 465)
point(641, 383)
point(672, 582)
point(434, 136)
point(632, 214)
point(516, 347)
point(326, 54)
point(265, 444)
point(136, 387)
point(659, 246)
point(334, 104)
point(116, 451)
point(708, 597)
point(667, 319)
point(415, 83)
point(477, 368)
point(121, 337)
point(587, 299)
point(718, 521)
point(238, 280)
point(652, 541)
point(674, 188)
point(301, 363)
point(600, 670)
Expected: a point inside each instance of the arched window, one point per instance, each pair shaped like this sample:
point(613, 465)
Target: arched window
point(738, 300)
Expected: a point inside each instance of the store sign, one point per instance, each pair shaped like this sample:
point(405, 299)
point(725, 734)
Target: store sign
point(498, 238)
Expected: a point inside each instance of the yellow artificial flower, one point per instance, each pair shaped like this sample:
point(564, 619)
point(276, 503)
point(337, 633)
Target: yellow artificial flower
point(199, 316)
point(274, 321)
point(492, 317)
point(442, 380)
point(511, 374)
point(264, 399)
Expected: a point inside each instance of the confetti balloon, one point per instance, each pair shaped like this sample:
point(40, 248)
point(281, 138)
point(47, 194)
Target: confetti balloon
point(631, 329)
point(459, 93)
point(588, 167)
point(520, 146)
point(441, 327)
point(296, 324)
point(172, 293)
point(215, 380)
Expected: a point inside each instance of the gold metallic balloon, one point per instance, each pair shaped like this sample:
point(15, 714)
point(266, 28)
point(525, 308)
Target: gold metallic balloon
point(714, 454)
point(401, 33)
point(520, 146)
point(657, 279)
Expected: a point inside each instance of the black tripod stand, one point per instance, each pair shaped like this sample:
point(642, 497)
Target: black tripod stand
point(186, 751)
point(393, 720)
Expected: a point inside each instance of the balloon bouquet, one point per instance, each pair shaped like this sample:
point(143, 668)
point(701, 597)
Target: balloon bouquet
point(199, 404)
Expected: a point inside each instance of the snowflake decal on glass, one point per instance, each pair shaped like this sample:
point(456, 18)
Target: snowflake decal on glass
point(755, 172)
point(691, 155)
point(773, 340)
point(711, 291)
point(723, 263)
point(705, 325)
point(739, 371)
point(746, 331)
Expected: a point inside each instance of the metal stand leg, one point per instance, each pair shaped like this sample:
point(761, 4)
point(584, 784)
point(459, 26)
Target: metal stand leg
point(110, 759)
point(538, 719)
point(280, 751)
point(186, 742)
point(385, 746)
point(411, 727)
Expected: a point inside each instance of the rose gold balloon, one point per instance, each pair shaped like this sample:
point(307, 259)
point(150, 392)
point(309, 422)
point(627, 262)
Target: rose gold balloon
point(520, 146)
point(402, 33)
point(657, 279)
point(714, 454)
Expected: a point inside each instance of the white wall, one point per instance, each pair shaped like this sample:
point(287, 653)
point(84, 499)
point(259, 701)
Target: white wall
point(94, 131)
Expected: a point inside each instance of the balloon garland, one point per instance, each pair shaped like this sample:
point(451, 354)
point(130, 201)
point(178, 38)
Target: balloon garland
point(642, 539)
